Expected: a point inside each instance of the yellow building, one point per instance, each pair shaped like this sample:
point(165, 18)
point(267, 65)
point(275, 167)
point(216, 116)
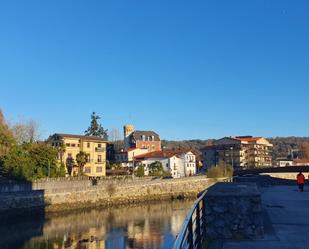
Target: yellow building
point(69, 146)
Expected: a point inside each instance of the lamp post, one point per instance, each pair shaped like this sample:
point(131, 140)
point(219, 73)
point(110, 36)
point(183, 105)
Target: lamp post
point(232, 156)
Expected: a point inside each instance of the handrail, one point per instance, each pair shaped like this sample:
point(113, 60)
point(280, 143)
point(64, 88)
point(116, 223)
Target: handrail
point(187, 236)
point(193, 231)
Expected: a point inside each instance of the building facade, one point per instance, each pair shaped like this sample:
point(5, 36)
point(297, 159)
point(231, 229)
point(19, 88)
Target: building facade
point(126, 158)
point(149, 140)
point(179, 163)
point(69, 145)
point(301, 162)
point(239, 152)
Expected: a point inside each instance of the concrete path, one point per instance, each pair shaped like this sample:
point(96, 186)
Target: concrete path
point(286, 221)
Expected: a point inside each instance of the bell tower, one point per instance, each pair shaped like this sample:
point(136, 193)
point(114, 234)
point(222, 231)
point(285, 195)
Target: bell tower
point(128, 129)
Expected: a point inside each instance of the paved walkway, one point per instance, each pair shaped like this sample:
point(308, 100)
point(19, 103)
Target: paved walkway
point(286, 221)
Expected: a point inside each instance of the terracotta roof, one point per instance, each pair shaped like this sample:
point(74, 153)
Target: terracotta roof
point(162, 154)
point(92, 138)
point(247, 138)
point(131, 149)
point(301, 161)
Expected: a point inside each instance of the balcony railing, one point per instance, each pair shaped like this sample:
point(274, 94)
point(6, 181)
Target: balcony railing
point(97, 149)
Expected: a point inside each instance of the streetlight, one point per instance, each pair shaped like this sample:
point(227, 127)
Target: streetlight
point(232, 156)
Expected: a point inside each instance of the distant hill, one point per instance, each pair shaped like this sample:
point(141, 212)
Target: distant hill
point(282, 145)
point(194, 144)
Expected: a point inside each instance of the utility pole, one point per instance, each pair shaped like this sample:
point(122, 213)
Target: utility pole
point(133, 167)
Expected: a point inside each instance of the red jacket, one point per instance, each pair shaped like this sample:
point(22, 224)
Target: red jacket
point(300, 179)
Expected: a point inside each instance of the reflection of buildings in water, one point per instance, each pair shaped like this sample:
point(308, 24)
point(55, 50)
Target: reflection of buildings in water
point(144, 235)
point(94, 238)
point(176, 222)
point(140, 226)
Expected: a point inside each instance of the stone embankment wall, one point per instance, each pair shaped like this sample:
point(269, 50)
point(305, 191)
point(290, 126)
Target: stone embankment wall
point(234, 211)
point(62, 194)
point(288, 176)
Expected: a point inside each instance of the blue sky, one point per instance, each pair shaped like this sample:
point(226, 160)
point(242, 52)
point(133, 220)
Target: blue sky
point(186, 69)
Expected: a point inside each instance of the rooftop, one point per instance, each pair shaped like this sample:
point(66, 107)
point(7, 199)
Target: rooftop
point(90, 138)
point(162, 154)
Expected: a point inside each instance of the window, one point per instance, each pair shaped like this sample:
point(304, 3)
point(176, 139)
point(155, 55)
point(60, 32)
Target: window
point(67, 145)
point(99, 145)
point(88, 145)
point(88, 158)
point(99, 169)
point(99, 158)
point(73, 145)
point(87, 170)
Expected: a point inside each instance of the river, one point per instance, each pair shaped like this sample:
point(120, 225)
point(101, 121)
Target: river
point(148, 226)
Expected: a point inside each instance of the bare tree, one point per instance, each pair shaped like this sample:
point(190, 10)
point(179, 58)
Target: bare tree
point(26, 131)
point(114, 135)
point(115, 138)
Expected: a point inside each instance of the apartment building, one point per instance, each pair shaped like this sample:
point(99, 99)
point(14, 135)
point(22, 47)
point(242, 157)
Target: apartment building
point(239, 152)
point(149, 140)
point(179, 163)
point(94, 147)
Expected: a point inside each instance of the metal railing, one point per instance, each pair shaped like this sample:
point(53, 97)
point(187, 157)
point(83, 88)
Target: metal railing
point(193, 231)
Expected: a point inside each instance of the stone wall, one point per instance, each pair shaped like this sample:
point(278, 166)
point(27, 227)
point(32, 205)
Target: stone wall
point(289, 176)
point(62, 194)
point(233, 211)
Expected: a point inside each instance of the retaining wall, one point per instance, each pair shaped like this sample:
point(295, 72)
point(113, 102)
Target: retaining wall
point(62, 194)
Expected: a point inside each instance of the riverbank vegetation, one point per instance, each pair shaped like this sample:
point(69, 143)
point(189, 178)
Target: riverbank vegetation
point(22, 156)
point(220, 170)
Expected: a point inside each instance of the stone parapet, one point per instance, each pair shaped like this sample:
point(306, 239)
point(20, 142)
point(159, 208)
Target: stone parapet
point(233, 211)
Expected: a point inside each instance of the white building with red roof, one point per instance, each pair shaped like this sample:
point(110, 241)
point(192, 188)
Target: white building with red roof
point(179, 163)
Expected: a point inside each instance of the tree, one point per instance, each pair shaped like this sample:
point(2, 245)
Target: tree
point(95, 128)
point(26, 132)
point(156, 169)
point(31, 161)
point(61, 150)
point(114, 136)
point(81, 160)
point(6, 136)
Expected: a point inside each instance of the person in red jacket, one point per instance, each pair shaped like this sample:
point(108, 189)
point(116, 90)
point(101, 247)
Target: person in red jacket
point(301, 181)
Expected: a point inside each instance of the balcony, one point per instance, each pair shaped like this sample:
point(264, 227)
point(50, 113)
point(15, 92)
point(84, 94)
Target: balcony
point(98, 149)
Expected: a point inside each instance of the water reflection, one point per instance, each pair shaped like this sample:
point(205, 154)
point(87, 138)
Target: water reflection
point(142, 226)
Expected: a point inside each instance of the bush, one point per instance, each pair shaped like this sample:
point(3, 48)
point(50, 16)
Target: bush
point(221, 170)
point(140, 172)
